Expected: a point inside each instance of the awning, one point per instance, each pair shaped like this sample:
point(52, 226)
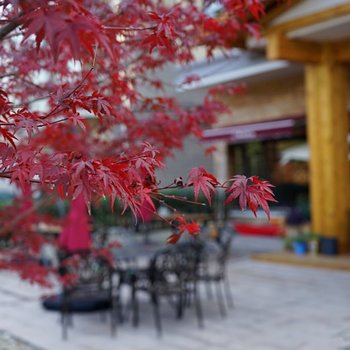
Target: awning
point(299, 153)
point(267, 130)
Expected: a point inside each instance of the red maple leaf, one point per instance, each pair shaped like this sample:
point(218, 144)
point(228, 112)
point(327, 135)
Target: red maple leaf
point(65, 23)
point(256, 8)
point(173, 238)
point(250, 192)
point(8, 136)
point(182, 226)
point(202, 181)
point(163, 34)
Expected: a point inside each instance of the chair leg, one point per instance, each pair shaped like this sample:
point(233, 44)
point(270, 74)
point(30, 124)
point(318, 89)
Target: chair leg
point(198, 306)
point(228, 293)
point(187, 298)
point(135, 308)
point(120, 312)
point(180, 305)
point(114, 318)
point(220, 298)
point(155, 303)
point(209, 290)
point(64, 323)
point(119, 306)
point(66, 318)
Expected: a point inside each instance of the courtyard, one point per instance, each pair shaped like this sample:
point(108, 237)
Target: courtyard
point(277, 307)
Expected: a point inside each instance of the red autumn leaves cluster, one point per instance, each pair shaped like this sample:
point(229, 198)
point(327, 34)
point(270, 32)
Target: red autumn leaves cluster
point(250, 192)
point(76, 112)
point(87, 65)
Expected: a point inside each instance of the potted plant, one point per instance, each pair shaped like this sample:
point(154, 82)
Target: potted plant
point(303, 243)
point(300, 245)
point(313, 240)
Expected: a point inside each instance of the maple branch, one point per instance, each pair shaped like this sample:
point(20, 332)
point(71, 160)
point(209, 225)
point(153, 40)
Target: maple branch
point(32, 101)
point(162, 202)
point(169, 187)
point(130, 159)
point(13, 35)
point(7, 75)
point(7, 124)
point(53, 112)
point(8, 28)
point(52, 123)
point(129, 28)
point(41, 125)
point(70, 93)
point(11, 26)
point(32, 84)
point(180, 198)
point(7, 175)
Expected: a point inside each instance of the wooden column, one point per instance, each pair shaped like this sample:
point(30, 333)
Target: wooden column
point(327, 115)
point(328, 127)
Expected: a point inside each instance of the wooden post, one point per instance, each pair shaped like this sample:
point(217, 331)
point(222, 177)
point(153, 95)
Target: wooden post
point(328, 128)
point(327, 116)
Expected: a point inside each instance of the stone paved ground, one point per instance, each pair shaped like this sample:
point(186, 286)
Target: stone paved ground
point(277, 308)
point(10, 342)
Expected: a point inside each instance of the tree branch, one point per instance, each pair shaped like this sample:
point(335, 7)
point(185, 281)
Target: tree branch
point(8, 28)
point(129, 28)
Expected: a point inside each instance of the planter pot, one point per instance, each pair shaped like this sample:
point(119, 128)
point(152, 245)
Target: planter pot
point(328, 246)
point(300, 248)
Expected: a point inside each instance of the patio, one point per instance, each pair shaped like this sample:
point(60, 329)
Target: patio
point(278, 307)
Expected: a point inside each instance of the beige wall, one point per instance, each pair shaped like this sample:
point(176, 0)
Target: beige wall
point(266, 100)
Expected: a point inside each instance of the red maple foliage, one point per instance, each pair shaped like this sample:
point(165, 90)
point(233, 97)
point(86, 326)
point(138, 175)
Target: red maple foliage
point(74, 115)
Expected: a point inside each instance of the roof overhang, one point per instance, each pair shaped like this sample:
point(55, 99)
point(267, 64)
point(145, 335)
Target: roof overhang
point(331, 30)
point(304, 32)
point(257, 70)
point(240, 66)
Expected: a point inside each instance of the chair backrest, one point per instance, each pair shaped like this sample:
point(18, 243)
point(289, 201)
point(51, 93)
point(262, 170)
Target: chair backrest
point(215, 256)
point(87, 272)
point(225, 240)
point(164, 267)
point(189, 259)
point(121, 234)
point(226, 250)
point(175, 264)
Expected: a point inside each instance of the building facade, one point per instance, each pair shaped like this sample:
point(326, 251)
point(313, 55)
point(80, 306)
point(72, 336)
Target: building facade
point(302, 95)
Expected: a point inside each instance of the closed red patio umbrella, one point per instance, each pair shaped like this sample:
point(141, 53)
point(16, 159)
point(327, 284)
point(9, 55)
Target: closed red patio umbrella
point(75, 236)
point(146, 213)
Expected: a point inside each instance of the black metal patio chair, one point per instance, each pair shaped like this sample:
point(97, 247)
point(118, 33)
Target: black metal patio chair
point(213, 268)
point(172, 275)
point(88, 287)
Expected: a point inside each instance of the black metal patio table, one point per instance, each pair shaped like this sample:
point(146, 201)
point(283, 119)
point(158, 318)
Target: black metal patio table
point(132, 264)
